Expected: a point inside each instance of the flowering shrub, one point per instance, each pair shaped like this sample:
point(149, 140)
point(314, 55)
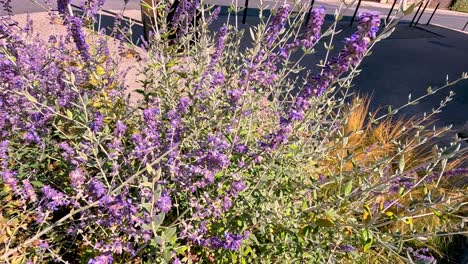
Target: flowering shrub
point(221, 160)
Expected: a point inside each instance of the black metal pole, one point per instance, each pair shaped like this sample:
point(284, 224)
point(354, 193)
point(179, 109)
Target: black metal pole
point(417, 12)
point(355, 12)
point(465, 26)
point(391, 9)
point(310, 10)
point(420, 15)
point(429, 21)
point(245, 11)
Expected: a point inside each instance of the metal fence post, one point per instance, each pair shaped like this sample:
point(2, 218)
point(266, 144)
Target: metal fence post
point(420, 15)
point(245, 11)
point(429, 21)
point(415, 15)
point(391, 9)
point(310, 10)
point(355, 12)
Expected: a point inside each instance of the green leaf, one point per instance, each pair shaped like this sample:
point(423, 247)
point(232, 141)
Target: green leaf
point(69, 114)
point(30, 97)
point(436, 213)
point(323, 222)
point(401, 164)
point(169, 233)
point(348, 188)
point(150, 169)
point(158, 220)
point(147, 207)
point(367, 239)
point(409, 10)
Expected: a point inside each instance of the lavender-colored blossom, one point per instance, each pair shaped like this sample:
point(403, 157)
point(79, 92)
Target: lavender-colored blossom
point(102, 259)
point(422, 256)
point(77, 178)
point(43, 244)
point(120, 128)
point(214, 15)
point(355, 48)
point(28, 191)
point(91, 7)
point(237, 187)
point(219, 48)
point(233, 241)
point(184, 14)
point(450, 173)
point(76, 31)
point(9, 178)
point(209, 77)
point(98, 122)
point(277, 25)
point(68, 152)
point(164, 203)
point(54, 198)
point(31, 136)
point(96, 188)
point(346, 248)
point(227, 204)
point(218, 79)
point(235, 96)
point(184, 104)
point(313, 28)
point(4, 144)
point(62, 6)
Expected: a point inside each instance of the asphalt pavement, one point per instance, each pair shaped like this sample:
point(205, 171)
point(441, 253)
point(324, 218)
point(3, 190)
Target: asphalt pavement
point(407, 62)
point(454, 20)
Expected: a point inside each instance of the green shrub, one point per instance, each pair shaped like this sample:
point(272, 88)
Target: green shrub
point(221, 160)
point(460, 5)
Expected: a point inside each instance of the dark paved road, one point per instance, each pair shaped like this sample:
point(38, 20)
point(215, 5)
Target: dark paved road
point(456, 21)
point(408, 62)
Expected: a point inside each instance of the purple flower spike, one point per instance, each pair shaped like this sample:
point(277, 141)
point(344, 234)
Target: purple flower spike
point(102, 259)
point(62, 6)
point(313, 29)
point(422, 256)
point(76, 31)
point(77, 178)
point(355, 48)
point(54, 198)
point(165, 203)
point(277, 25)
point(97, 123)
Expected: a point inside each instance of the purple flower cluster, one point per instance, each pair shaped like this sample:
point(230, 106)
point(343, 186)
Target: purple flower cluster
point(91, 7)
point(148, 143)
point(229, 241)
point(214, 15)
point(314, 26)
point(184, 14)
point(346, 248)
point(277, 25)
point(24, 190)
point(102, 259)
point(209, 77)
point(261, 71)
point(53, 198)
point(422, 256)
point(98, 122)
point(355, 48)
point(75, 25)
point(311, 35)
point(62, 6)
